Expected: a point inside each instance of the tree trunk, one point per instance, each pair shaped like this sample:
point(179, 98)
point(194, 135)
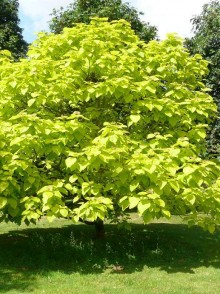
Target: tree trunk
point(100, 229)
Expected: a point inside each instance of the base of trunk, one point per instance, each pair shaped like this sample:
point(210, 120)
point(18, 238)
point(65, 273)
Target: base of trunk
point(100, 229)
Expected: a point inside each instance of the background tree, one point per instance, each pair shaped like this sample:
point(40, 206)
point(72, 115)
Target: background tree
point(83, 10)
point(206, 42)
point(93, 124)
point(10, 33)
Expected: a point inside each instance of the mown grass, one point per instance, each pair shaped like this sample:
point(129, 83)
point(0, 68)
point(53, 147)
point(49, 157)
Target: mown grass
point(165, 257)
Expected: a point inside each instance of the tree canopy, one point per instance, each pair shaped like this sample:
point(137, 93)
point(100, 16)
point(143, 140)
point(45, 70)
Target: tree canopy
point(10, 33)
point(83, 10)
point(206, 42)
point(96, 122)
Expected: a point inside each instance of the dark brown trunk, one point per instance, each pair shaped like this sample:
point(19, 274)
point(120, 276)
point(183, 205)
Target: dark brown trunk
point(100, 229)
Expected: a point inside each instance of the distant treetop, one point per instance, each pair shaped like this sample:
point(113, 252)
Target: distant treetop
point(10, 33)
point(206, 42)
point(83, 10)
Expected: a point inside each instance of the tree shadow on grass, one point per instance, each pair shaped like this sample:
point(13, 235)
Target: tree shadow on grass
point(169, 247)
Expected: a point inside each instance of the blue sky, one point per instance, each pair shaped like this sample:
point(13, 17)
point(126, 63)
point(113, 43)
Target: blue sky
point(167, 15)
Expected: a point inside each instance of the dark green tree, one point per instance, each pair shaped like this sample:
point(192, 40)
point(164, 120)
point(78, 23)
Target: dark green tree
point(206, 41)
point(10, 33)
point(83, 10)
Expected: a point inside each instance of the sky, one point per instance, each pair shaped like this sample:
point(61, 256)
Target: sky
point(167, 15)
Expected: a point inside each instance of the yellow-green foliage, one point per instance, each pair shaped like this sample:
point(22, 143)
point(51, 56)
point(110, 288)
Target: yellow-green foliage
point(96, 122)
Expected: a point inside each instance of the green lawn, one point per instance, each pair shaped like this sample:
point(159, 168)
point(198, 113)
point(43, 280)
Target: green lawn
point(165, 257)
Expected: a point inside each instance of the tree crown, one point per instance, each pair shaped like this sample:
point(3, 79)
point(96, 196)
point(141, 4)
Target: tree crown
point(96, 122)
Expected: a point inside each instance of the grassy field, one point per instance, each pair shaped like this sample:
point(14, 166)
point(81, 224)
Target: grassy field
point(164, 257)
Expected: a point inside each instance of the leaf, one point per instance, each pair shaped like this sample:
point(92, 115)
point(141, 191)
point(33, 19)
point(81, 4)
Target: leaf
point(31, 102)
point(202, 134)
point(135, 118)
point(174, 152)
point(162, 184)
point(13, 211)
point(95, 191)
point(153, 196)
point(13, 84)
point(70, 161)
point(124, 202)
point(150, 106)
point(191, 199)
point(76, 199)
point(133, 202)
point(68, 187)
point(173, 60)
point(31, 180)
point(85, 188)
point(73, 178)
point(82, 165)
point(211, 228)
point(46, 207)
point(158, 106)
point(24, 91)
point(24, 129)
point(139, 171)
point(34, 95)
point(166, 213)
point(12, 202)
point(3, 186)
point(64, 212)
point(151, 136)
point(16, 141)
point(188, 170)
point(151, 89)
point(147, 217)
point(47, 194)
point(141, 54)
point(151, 169)
point(113, 139)
point(173, 120)
point(159, 202)
point(175, 186)
point(134, 185)
point(75, 219)
point(142, 207)
point(109, 187)
point(172, 170)
point(105, 200)
point(161, 69)
point(3, 202)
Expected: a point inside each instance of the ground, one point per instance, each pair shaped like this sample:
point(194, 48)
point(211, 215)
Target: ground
point(162, 257)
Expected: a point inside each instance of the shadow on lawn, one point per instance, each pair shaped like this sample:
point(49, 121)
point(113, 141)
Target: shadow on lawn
point(173, 248)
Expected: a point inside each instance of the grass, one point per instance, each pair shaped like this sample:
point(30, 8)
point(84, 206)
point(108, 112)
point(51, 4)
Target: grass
point(165, 257)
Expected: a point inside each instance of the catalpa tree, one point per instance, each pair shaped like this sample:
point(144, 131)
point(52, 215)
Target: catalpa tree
point(96, 122)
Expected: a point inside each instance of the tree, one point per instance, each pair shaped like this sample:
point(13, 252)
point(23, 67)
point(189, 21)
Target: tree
point(96, 124)
point(83, 10)
point(206, 42)
point(10, 33)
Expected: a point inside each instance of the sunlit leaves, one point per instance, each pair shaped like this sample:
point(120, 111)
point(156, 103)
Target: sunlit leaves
point(96, 125)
